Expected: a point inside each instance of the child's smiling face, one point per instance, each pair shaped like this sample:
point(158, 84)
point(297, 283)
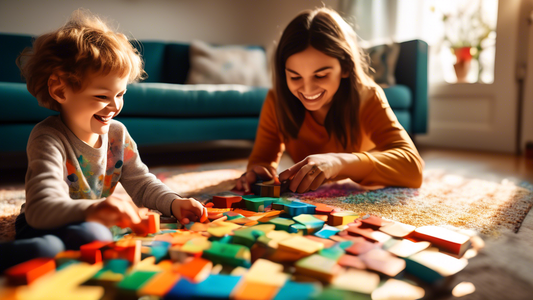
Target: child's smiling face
point(314, 77)
point(88, 112)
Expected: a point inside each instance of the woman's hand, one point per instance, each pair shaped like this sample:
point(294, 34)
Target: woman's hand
point(310, 173)
point(114, 211)
point(250, 177)
point(188, 210)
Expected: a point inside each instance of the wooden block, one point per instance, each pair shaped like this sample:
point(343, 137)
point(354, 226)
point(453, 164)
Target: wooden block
point(351, 261)
point(222, 228)
point(129, 249)
point(113, 270)
point(382, 261)
point(334, 252)
point(196, 270)
point(405, 248)
point(326, 243)
point(282, 223)
point(29, 271)
point(264, 189)
point(319, 267)
point(354, 280)
point(342, 218)
point(369, 234)
point(326, 232)
point(133, 282)
point(64, 284)
point(217, 286)
point(323, 209)
point(296, 208)
point(445, 239)
point(297, 290)
point(215, 213)
point(432, 266)
point(280, 204)
point(258, 203)
point(309, 221)
point(93, 252)
point(361, 247)
point(232, 215)
point(228, 254)
point(159, 284)
point(397, 229)
point(196, 245)
point(300, 245)
point(254, 291)
point(227, 202)
point(397, 289)
point(267, 272)
point(246, 236)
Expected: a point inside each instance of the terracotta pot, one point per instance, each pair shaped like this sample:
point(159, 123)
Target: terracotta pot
point(463, 63)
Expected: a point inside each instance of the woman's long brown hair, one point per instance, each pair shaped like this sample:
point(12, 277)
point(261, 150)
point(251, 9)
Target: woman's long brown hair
point(324, 30)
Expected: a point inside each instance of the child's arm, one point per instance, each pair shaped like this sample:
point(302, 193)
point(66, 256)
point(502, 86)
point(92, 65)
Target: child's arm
point(113, 211)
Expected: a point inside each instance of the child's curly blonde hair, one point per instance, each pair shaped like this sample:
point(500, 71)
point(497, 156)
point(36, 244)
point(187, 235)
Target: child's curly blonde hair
point(84, 45)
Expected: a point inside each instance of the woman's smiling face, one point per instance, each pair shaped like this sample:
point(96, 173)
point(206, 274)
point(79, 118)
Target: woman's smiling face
point(314, 77)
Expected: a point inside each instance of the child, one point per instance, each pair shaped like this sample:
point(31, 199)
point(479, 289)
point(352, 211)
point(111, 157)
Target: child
point(76, 159)
point(328, 114)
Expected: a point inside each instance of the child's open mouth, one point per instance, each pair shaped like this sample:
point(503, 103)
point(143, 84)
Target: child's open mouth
point(104, 120)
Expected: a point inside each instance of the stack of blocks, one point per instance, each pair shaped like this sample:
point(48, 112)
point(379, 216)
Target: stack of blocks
point(254, 247)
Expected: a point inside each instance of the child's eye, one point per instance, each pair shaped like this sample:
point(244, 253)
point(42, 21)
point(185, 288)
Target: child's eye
point(102, 97)
point(295, 78)
point(321, 76)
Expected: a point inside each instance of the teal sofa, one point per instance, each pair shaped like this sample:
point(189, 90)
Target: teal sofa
point(163, 110)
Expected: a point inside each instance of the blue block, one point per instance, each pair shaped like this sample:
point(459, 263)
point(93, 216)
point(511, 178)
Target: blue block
point(217, 286)
point(327, 231)
point(296, 290)
point(296, 208)
point(184, 289)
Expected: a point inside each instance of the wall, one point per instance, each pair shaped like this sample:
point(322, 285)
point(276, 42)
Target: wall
point(257, 22)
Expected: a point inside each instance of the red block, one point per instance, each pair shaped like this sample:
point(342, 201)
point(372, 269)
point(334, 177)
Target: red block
point(93, 252)
point(445, 239)
point(27, 272)
point(227, 201)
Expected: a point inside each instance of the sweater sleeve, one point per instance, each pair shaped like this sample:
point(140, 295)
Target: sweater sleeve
point(394, 161)
point(48, 202)
point(143, 187)
point(268, 145)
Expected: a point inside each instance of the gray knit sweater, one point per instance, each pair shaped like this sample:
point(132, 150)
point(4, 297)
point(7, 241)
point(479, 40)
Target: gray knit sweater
point(65, 175)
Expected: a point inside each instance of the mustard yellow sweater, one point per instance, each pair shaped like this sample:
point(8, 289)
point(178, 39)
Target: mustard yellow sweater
point(387, 153)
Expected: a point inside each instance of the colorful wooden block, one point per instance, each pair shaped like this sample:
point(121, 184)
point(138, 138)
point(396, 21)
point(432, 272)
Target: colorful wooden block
point(133, 282)
point(229, 254)
point(405, 248)
point(397, 229)
point(361, 247)
point(326, 232)
point(281, 223)
point(266, 190)
point(258, 203)
point(215, 213)
point(29, 271)
point(196, 269)
point(297, 290)
point(227, 202)
point(216, 286)
point(300, 244)
point(354, 280)
point(342, 218)
point(93, 252)
point(431, 266)
point(382, 261)
point(160, 284)
point(253, 290)
point(319, 267)
point(296, 208)
point(445, 239)
point(398, 289)
point(246, 236)
point(351, 261)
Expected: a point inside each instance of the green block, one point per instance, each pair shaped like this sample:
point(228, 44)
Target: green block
point(258, 203)
point(246, 236)
point(229, 254)
point(282, 223)
point(280, 204)
point(135, 280)
point(297, 227)
point(334, 252)
point(336, 294)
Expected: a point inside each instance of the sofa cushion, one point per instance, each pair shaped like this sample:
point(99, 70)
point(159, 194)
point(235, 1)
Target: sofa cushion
point(18, 105)
point(399, 96)
point(227, 65)
point(197, 100)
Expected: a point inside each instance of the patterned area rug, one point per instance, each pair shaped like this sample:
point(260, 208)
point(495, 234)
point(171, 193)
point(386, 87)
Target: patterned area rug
point(486, 207)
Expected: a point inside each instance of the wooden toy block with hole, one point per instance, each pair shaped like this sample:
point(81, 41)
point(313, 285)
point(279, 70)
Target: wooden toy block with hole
point(445, 239)
point(196, 269)
point(342, 218)
point(93, 252)
point(227, 202)
point(29, 271)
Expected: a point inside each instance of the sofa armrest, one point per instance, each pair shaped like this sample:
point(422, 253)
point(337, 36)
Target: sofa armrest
point(412, 71)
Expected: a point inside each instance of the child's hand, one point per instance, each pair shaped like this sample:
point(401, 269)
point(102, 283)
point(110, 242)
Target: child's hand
point(188, 210)
point(250, 177)
point(114, 211)
point(311, 172)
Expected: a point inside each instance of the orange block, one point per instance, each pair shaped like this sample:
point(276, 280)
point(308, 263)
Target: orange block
point(342, 218)
point(215, 213)
point(247, 290)
point(160, 284)
point(93, 252)
point(196, 269)
point(128, 249)
point(29, 271)
point(148, 225)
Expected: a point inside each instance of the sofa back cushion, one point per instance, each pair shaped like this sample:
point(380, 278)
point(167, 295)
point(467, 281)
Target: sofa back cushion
point(164, 62)
point(11, 45)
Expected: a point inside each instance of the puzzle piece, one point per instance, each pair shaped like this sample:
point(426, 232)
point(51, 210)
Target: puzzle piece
point(258, 203)
point(227, 202)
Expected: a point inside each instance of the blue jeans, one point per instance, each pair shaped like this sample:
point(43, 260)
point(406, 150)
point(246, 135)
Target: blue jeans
point(31, 243)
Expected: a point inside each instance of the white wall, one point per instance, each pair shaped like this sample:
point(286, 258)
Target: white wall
point(257, 22)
